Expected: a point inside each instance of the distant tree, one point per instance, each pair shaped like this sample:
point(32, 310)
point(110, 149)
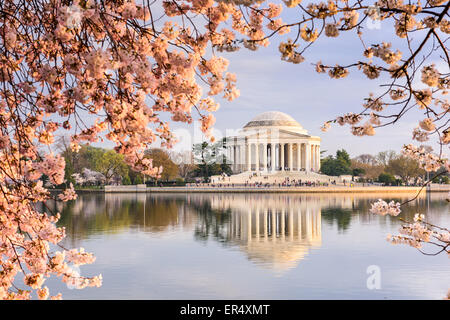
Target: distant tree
point(186, 170)
point(366, 159)
point(336, 166)
point(161, 158)
point(386, 178)
point(63, 146)
point(126, 180)
point(357, 172)
point(404, 167)
point(88, 177)
point(327, 165)
point(371, 170)
point(441, 179)
point(87, 157)
point(138, 179)
point(440, 176)
point(385, 156)
point(135, 177)
point(220, 168)
point(92, 177)
point(344, 157)
point(185, 162)
point(210, 160)
point(78, 178)
point(110, 163)
point(107, 162)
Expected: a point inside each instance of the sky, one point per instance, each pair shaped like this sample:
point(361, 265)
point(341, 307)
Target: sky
point(267, 83)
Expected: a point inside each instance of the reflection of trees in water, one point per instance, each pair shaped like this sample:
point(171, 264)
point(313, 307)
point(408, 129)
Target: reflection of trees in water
point(431, 207)
point(94, 213)
point(341, 217)
point(273, 230)
point(210, 222)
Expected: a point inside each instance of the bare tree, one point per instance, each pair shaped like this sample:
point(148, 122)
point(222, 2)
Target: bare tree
point(385, 156)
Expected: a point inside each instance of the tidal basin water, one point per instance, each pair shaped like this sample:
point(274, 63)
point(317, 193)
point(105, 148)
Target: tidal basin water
point(250, 246)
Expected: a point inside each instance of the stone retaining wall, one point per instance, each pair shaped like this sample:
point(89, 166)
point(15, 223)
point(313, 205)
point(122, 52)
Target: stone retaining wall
point(330, 189)
point(132, 188)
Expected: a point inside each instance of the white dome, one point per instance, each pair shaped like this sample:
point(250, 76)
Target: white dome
point(273, 118)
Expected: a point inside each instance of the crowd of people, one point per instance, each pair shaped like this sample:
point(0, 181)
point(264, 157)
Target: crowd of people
point(287, 182)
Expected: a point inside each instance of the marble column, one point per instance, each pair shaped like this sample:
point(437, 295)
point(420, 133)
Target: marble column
point(248, 161)
point(318, 157)
point(308, 157)
point(239, 158)
point(282, 156)
point(290, 160)
point(315, 158)
point(299, 160)
point(272, 156)
point(265, 156)
point(234, 158)
point(257, 157)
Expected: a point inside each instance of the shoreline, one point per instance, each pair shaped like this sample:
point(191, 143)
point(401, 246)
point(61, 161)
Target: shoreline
point(224, 189)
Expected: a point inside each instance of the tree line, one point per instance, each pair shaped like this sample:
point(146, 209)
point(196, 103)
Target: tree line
point(98, 166)
point(95, 166)
point(387, 167)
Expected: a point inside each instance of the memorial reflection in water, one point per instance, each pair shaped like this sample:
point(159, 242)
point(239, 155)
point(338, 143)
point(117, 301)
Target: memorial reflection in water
point(273, 231)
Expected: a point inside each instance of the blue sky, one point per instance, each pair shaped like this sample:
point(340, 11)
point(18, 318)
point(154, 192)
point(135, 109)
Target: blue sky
point(268, 84)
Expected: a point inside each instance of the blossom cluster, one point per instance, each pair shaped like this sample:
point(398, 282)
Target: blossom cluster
point(288, 52)
point(381, 207)
point(68, 194)
point(427, 160)
point(417, 233)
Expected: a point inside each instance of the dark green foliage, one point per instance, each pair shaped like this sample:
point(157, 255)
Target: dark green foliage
point(338, 165)
point(387, 179)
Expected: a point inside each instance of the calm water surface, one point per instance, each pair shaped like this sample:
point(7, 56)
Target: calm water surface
point(249, 246)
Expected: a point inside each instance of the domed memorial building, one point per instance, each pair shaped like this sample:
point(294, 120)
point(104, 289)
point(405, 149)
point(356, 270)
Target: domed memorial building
point(273, 143)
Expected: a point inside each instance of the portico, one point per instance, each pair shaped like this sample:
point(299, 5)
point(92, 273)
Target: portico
point(273, 142)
